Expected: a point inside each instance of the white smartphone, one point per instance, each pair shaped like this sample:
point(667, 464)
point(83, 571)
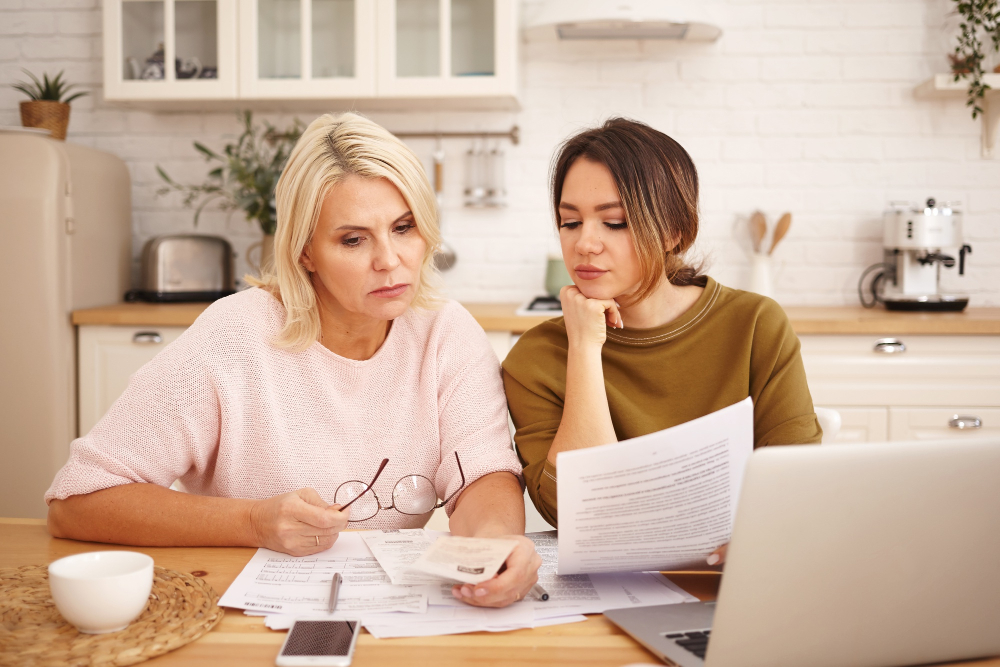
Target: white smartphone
point(320, 643)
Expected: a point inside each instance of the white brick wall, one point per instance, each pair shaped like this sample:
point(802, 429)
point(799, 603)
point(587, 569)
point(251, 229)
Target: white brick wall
point(803, 105)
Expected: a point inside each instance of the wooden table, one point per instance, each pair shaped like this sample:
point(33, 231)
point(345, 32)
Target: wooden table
point(244, 641)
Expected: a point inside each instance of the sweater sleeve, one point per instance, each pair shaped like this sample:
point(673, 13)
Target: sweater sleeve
point(536, 420)
point(165, 425)
point(472, 409)
point(783, 408)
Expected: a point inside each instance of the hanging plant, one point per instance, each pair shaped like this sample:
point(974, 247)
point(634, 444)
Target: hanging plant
point(980, 23)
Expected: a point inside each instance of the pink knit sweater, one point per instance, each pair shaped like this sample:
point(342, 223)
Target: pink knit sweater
point(228, 414)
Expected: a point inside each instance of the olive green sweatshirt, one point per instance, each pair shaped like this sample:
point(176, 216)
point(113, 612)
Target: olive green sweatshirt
point(729, 345)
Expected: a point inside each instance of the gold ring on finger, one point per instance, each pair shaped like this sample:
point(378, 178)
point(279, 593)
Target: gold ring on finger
point(317, 539)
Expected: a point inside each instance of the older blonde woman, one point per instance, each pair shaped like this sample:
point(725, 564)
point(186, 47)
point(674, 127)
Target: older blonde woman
point(337, 393)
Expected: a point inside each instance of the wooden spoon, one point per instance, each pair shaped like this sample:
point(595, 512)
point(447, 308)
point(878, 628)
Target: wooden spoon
point(780, 230)
point(758, 229)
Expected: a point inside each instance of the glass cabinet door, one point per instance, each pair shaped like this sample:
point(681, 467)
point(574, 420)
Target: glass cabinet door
point(170, 49)
point(447, 47)
point(307, 48)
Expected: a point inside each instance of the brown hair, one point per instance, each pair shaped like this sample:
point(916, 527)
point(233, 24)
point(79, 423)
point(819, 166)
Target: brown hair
point(658, 186)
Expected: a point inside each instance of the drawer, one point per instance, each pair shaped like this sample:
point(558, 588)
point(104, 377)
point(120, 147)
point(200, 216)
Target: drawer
point(108, 357)
point(936, 423)
point(906, 371)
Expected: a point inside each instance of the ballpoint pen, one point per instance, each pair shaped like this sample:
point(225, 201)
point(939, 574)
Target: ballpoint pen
point(334, 592)
point(539, 592)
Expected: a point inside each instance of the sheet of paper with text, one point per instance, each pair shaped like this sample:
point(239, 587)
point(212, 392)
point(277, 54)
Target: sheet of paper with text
point(662, 501)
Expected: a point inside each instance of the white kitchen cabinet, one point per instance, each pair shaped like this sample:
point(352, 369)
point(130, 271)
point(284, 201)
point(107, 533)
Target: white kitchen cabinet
point(108, 356)
point(307, 49)
point(170, 49)
point(447, 48)
point(862, 424)
point(942, 423)
point(383, 53)
point(905, 387)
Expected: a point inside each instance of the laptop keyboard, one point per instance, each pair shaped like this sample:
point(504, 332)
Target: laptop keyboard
point(696, 642)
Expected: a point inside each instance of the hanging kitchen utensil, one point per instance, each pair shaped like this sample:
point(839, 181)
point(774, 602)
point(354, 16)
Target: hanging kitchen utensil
point(446, 257)
point(496, 194)
point(758, 230)
point(780, 230)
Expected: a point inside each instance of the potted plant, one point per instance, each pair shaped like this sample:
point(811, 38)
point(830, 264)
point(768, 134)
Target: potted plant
point(245, 178)
point(979, 30)
point(48, 107)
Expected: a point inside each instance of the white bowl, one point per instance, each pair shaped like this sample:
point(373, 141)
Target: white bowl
point(101, 591)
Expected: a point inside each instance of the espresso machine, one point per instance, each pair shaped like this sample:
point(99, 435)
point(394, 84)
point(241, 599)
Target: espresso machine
point(919, 241)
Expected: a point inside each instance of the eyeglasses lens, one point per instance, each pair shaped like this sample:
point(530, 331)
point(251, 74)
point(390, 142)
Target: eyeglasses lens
point(365, 507)
point(414, 494)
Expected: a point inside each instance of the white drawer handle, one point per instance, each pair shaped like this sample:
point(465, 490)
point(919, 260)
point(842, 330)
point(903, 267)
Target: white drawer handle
point(963, 422)
point(147, 338)
point(889, 346)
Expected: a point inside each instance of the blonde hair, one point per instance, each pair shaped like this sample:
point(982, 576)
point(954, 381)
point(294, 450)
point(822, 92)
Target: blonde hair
point(330, 149)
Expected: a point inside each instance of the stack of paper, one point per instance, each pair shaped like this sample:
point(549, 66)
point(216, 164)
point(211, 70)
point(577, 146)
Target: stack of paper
point(392, 602)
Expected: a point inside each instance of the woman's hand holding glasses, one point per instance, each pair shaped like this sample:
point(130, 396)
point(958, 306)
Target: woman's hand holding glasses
point(299, 523)
point(512, 583)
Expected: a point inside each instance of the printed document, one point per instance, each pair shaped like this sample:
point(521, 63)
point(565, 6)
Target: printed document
point(396, 550)
point(662, 501)
point(470, 560)
point(277, 583)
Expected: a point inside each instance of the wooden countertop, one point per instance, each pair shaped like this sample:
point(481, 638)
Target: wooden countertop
point(245, 641)
point(501, 317)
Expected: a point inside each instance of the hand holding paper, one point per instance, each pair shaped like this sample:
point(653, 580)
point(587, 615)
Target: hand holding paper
point(471, 560)
point(661, 501)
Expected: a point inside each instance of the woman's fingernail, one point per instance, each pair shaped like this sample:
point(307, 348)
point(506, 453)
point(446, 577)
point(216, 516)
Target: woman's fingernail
point(481, 592)
point(456, 594)
point(466, 591)
point(713, 559)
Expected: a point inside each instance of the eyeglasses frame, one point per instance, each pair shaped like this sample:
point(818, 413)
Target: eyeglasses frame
point(369, 487)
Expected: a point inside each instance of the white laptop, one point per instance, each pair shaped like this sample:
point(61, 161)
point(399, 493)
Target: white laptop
point(849, 555)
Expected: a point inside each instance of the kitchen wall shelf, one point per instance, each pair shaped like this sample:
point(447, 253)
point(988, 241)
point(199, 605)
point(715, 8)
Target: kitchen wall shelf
point(945, 86)
point(369, 55)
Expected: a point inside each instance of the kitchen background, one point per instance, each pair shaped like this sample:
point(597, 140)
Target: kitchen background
point(802, 106)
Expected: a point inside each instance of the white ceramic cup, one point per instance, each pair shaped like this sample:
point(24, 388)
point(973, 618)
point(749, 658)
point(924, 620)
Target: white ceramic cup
point(101, 591)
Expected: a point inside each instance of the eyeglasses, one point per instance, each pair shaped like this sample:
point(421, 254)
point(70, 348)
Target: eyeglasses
point(413, 495)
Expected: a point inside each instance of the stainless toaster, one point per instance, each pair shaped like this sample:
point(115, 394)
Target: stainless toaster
point(185, 267)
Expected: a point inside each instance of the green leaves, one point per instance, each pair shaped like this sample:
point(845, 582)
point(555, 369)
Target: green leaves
point(47, 89)
point(247, 173)
point(978, 17)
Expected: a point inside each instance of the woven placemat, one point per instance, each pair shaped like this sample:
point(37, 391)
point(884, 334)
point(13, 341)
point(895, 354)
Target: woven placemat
point(181, 608)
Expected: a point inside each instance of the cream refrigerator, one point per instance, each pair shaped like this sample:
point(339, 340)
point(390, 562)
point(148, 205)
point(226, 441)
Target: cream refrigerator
point(65, 243)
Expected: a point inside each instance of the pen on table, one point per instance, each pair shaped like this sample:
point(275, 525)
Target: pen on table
point(334, 591)
point(539, 593)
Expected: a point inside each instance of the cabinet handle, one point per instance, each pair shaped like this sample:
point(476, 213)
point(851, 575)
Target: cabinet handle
point(963, 422)
point(889, 346)
point(147, 338)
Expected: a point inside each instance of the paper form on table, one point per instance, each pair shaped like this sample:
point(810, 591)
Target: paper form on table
point(661, 501)
point(277, 583)
point(396, 550)
point(583, 593)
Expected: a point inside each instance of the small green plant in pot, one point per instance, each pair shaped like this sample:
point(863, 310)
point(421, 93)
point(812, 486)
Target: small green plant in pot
point(979, 35)
point(245, 178)
point(48, 106)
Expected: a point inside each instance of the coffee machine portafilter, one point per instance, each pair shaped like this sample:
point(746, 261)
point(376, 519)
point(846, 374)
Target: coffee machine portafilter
point(918, 241)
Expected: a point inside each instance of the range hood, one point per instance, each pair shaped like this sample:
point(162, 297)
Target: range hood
point(624, 19)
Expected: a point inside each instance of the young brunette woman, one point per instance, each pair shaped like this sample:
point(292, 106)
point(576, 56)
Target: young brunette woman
point(645, 342)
